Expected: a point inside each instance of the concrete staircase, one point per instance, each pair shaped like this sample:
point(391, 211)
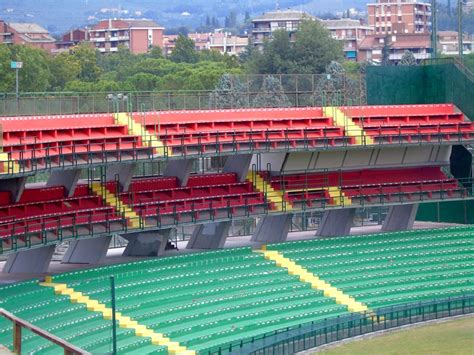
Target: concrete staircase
point(338, 197)
point(351, 129)
point(274, 196)
point(110, 199)
point(7, 165)
point(123, 321)
point(137, 129)
point(316, 283)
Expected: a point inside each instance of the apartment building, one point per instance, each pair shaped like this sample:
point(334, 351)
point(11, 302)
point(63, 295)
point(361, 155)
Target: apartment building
point(223, 42)
point(263, 26)
point(448, 43)
point(350, 32)
point(137, 35)
point(399, 16)
point(227, 43)
point(71, 39)
point(372, 47)
point(30, 34)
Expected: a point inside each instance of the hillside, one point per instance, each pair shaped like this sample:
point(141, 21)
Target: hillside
point(59, 15)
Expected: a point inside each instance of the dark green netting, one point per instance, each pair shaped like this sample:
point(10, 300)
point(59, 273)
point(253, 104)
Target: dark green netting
point(438, 82)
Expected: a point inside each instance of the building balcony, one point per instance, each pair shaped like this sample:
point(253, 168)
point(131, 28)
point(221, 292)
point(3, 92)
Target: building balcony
point(97, 39)
point(119, 38)
point(261, 30)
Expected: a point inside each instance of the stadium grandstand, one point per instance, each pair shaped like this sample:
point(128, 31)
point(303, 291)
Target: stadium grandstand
point(79, 181)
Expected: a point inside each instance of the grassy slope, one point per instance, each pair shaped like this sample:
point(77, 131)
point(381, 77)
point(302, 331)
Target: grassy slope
point(453, 337)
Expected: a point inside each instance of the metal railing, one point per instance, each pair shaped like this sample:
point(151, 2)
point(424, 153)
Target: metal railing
point(33, 156)
point(154, 214)
point(317, 333)
point(18, 324)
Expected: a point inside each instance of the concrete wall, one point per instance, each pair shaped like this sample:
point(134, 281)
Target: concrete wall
point(275, 160)
point(376, 157)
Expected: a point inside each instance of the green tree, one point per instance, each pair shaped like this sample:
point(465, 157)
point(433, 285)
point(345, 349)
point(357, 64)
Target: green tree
point(336, 88)
point(335, 68)
point(35, 74)
point(469, 61)
point(143, 82)
point(314, 48)
point(64, 68)
point(276, 57)
point(408, 58)
point(156, 52)
point(7, 75)
point(229, 93)
point(184, 51)
point(88, 58)
point(271, 94)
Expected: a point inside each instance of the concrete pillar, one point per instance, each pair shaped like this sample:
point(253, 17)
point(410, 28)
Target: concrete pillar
point(181, 168)
point(66, 178)
point(272, 229)
point(31, 261)
point(15, 186)
point(238, 164)
point(400, 218)
point(123, 172)
point(209, 236)
point(87, 251)
point(336, 222)
point(146, 243)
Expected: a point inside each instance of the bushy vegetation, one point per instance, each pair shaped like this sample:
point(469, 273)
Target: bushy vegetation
point(83, 69)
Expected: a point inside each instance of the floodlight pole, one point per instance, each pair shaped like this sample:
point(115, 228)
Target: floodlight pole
point(460, 39)
point(114, 321)
point(434, 28)
point(17, 85)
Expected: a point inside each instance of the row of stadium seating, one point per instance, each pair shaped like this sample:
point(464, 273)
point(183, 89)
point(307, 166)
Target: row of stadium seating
point(393, 268)
point(206, 300)
point(411, 123)
point(369, 185)
point(162, 201)
point(81, 139)
point(69, 321)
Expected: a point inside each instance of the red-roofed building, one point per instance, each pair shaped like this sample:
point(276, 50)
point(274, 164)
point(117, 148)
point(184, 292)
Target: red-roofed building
point(371, 48)
point(30, 34)
point(137, 35)
point(71, 39)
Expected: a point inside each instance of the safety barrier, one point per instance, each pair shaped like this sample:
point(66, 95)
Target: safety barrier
point(312, 335)
point(18, 324)
point(34, 160)
point(56, 228)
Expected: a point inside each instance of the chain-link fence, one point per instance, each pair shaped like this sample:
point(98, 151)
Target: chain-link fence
point(298, 90)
